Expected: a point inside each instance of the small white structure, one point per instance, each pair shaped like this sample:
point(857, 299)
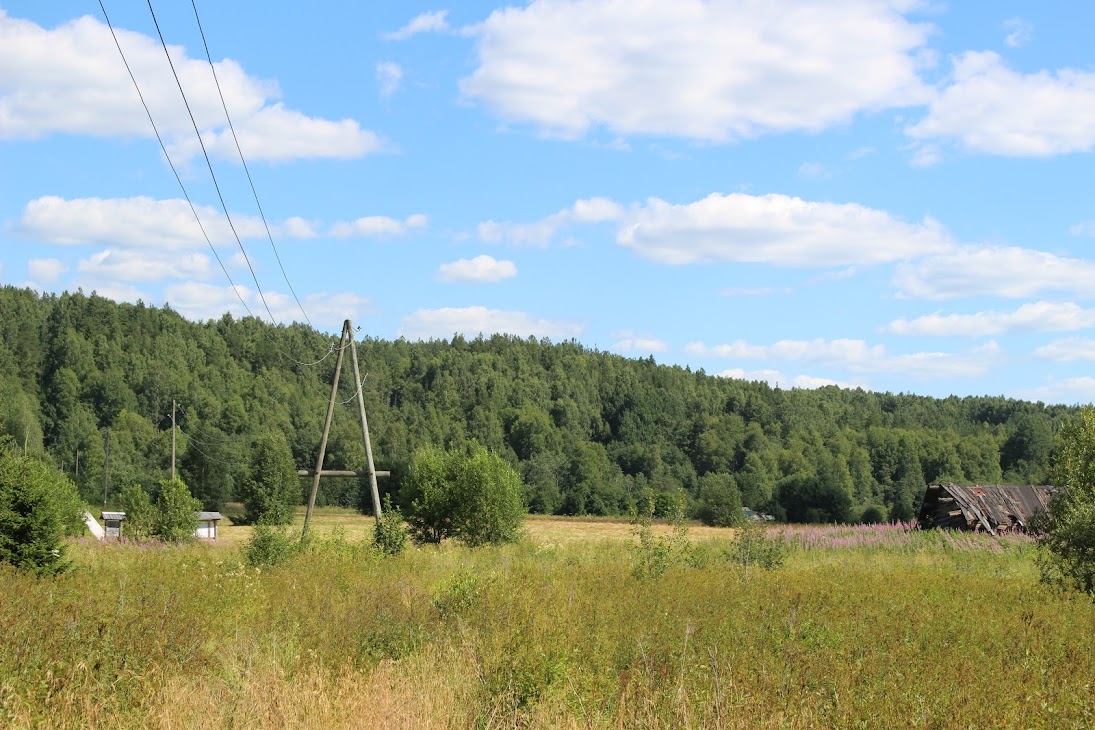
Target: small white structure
point(112, 523)
point(207, 525)
point(93, 526)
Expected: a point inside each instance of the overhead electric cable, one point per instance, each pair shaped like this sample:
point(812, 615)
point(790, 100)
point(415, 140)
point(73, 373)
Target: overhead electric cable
point(239, 149)
point(171, 164)
point(209, 164)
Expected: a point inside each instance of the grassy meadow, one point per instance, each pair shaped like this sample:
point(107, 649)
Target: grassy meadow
point(872, 627)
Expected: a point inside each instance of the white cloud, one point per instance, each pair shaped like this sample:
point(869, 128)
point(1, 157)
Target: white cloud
point(435, 21)
point(46, 271)
point(1071, 391)
point(541, 233)
point(776, 378)
point(1034, 317)
point(628, 341)
point(989, 108)
point(70, 79)
point(379, 225)
point(481, 269)
point(200, 301)
point(1087, 228)
point(1068, 349)
point(1019, 32)
point(141, 222)
point(133, 265)
point(857, 356)
point(426, 324)
point(1000, 271)
point(714, 71)
point(777, 230)
point(389, 75)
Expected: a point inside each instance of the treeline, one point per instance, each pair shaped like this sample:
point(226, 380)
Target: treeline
point(588, 431)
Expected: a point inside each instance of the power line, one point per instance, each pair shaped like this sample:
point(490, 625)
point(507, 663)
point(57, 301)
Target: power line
point(239, 149)
point(169, 162)
point(209, 163)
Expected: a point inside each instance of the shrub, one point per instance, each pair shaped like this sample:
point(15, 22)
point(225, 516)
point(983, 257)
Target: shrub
point(38, 508)
point(655, 554)
point(389, 536)
point(872, 516)
point(755, 547)
point(271, 487)
point(472, 495)
point(174, 519)
point(140, 515)
point(269, 545)
point(1070, 527)
point(720, 501)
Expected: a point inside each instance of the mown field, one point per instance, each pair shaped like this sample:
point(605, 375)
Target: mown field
point(861, 627)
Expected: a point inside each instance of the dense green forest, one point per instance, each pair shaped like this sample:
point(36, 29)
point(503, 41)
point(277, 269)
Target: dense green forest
point(587, 430)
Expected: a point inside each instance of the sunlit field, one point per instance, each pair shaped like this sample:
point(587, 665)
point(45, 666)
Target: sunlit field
point(873, 627)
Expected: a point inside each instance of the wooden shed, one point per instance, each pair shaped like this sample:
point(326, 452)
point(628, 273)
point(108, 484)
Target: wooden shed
point(207, 525)
point(991, 508)
point(112, 523)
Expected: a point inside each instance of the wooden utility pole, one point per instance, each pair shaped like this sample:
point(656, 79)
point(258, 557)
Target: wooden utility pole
point(172, 439)
point(106, 464)
point(371, 473)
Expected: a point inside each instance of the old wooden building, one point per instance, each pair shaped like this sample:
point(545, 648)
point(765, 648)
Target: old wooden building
point(991, 508)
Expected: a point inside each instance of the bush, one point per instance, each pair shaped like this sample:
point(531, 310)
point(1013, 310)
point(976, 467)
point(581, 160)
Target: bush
point(389, 536)
point(720, 501)
point(1070, 527)
point(271, 487)
point(269, 546)
point(872, 516)
point(140, 515)
point(472, 495)
point(754, 547)
point(38, 508)
point(174, 519)
point(655, 554)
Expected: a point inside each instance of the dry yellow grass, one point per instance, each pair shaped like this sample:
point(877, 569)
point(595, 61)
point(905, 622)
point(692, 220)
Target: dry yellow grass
point(540, 529)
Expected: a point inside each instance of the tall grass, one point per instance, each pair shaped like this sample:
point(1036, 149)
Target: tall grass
point(874, 633)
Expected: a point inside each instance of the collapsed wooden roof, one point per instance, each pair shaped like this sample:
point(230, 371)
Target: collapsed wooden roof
point(990, 507)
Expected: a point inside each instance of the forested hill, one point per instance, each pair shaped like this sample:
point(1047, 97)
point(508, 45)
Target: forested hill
point(586, 429)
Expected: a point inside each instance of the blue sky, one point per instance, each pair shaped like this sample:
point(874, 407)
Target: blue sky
point(888, 194)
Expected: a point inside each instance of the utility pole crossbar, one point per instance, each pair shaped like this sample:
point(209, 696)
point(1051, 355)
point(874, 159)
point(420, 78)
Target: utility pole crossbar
point(340, 473)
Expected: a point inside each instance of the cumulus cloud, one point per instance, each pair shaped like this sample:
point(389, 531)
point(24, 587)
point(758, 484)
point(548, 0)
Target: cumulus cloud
point(389, 76)
point(427, 324)
point(1071, 391)
point(858, 356)
point(542, 232)
point(987, 107)
point(999, 271)
point(479, 269)
point(200, 301)
point(777, 230)
point(1069, 349)
point(70, 79)
point(775, 378)
point(133, 265)
point(435, 21)
point(1034, 317)
point(379, 225)
point(142, 222)
point(712, 71)
point(628, 341)
point(46, 271)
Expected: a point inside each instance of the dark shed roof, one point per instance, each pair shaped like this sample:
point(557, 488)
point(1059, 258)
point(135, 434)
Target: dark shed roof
point(988, 507)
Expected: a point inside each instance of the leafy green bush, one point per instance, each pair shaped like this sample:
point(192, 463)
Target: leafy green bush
point(389, 536)
point(38, 508)
point(271, 487)
point(655, 554)
point(720, 501)
point(754, 547)
point(174, 517)
point(140, 515)
point(269, 545)
point(1070, 528)
point(472, 495)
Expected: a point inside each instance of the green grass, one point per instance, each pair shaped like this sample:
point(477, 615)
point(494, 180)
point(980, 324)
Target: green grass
point(889, 634)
